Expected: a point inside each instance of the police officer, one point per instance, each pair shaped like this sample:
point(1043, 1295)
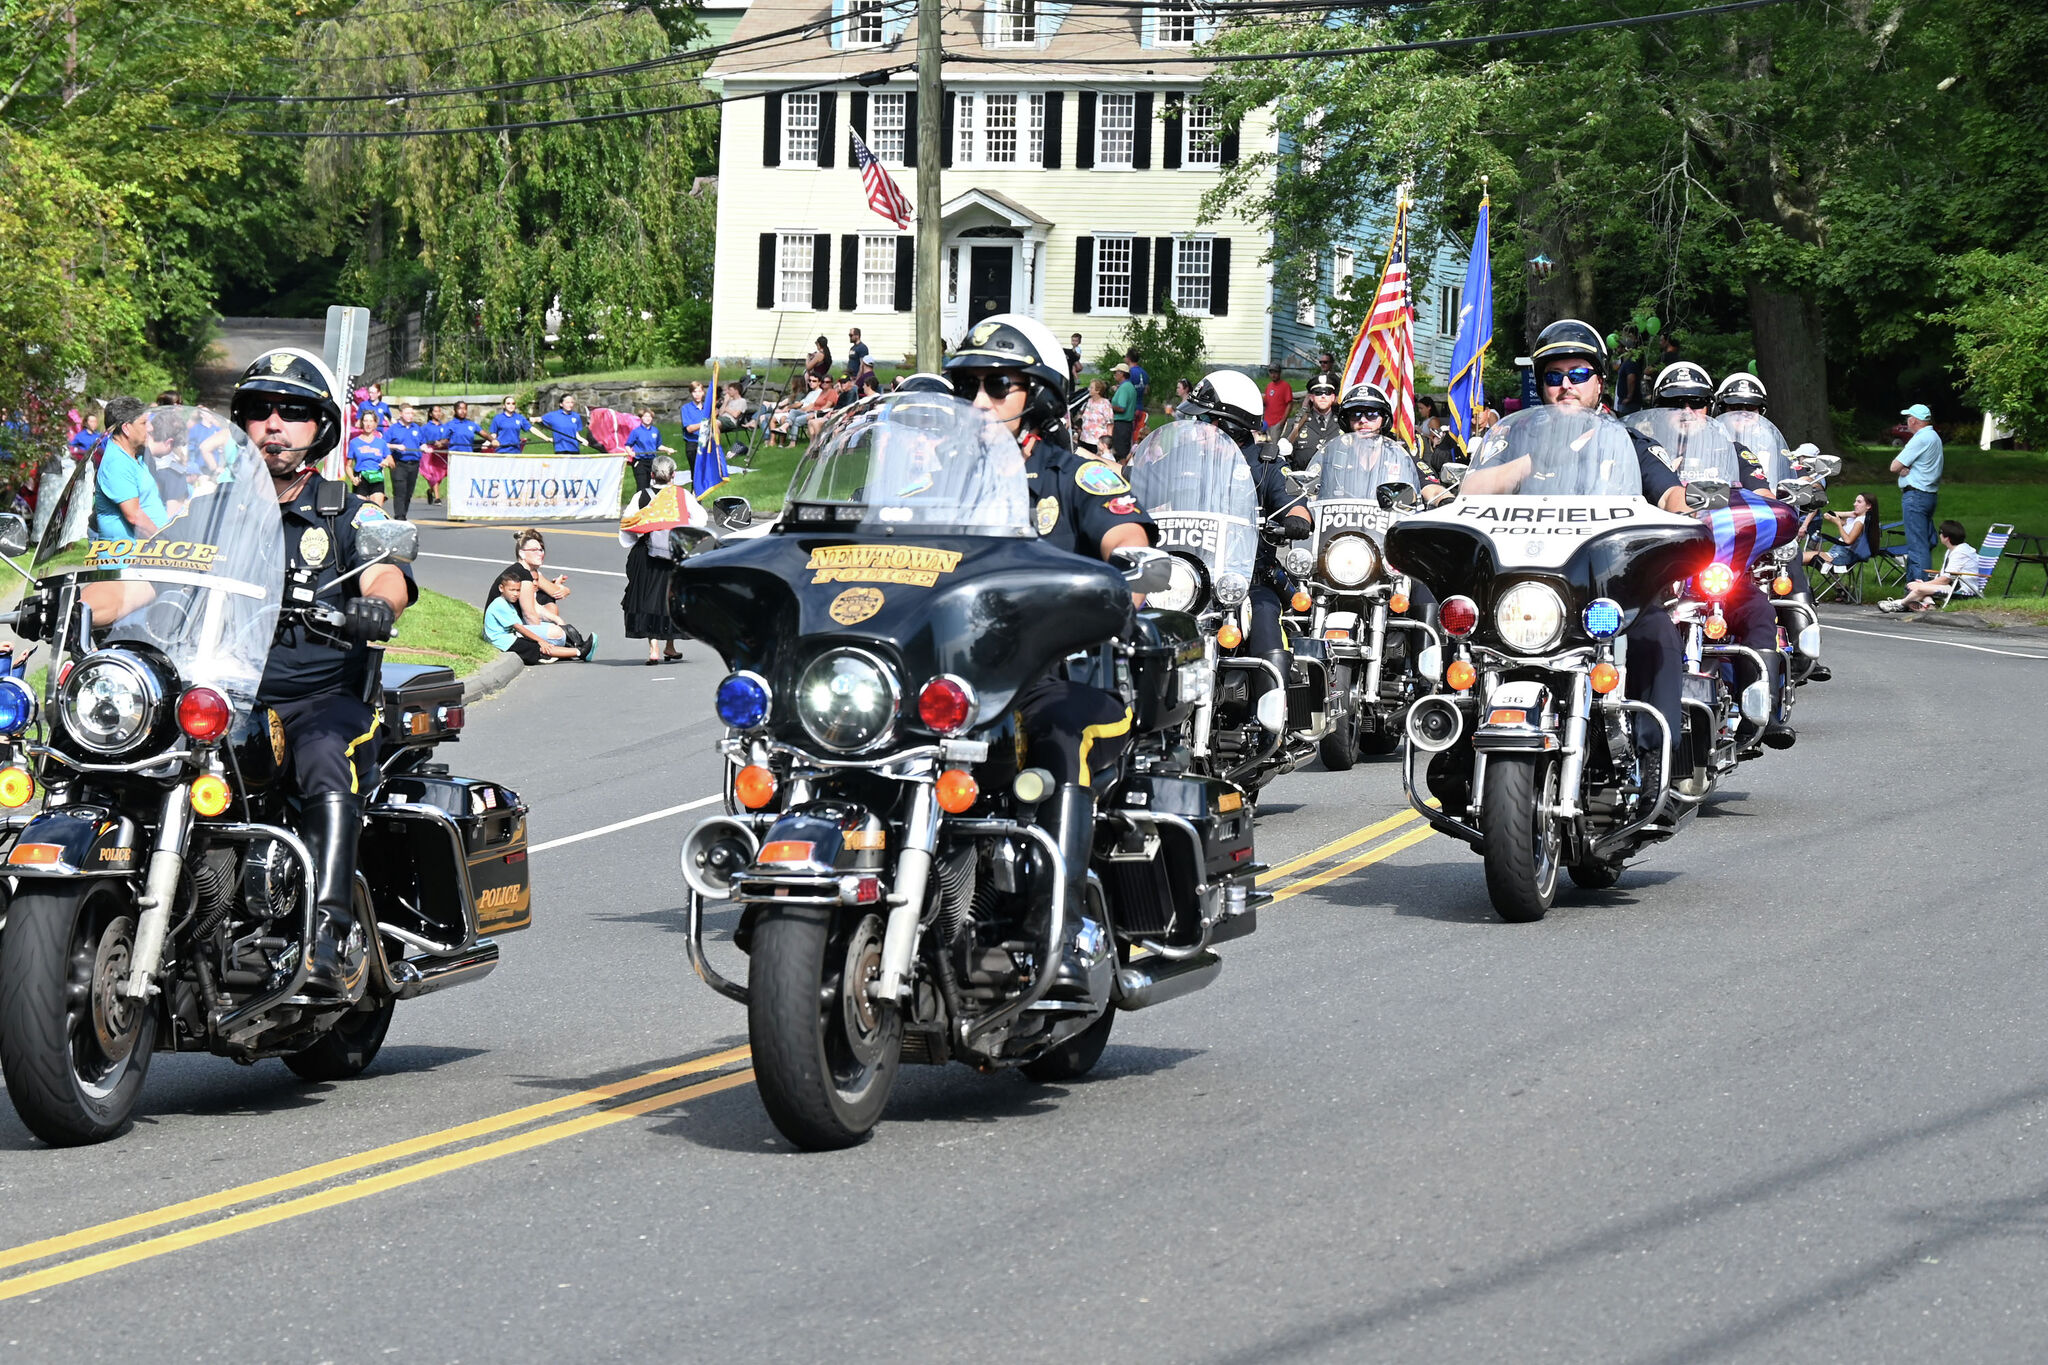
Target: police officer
point(1013, 366)
point(1742, 392)
point(1229, 401)
point(1317, 425)
point(288, 404)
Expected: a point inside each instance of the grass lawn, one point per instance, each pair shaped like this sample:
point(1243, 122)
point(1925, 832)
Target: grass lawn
point(766, 484)
point(412, 386)
point(441, 630)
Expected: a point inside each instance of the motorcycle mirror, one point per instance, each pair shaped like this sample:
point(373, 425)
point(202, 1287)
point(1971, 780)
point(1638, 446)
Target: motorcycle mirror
point(13, 534)
point(733, 511)
point(1824, 466)
point(1392, 495)
point(1285, 446)
point(1452, 473)
point(395, 541)
point(686, 541)
point(1144, 568)
point(1702, 494)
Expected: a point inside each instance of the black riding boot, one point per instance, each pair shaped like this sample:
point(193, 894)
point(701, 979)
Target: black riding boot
point(1076, 834)
point(334, 821)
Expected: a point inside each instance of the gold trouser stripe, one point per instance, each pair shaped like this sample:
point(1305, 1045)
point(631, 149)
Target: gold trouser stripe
point(1091, 733)
point(354, 783)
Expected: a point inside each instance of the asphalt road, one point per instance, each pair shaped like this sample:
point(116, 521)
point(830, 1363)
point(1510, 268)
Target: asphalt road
point(1769, 1099)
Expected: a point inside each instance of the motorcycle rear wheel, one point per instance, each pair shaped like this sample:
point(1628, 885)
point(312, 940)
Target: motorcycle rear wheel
point(1522, 843)
point(74, 1052)
point(825, 1056)
point(1595, 876)
point(347, 1049)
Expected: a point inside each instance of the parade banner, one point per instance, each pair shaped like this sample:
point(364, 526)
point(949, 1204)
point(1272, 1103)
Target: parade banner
point(533, 487)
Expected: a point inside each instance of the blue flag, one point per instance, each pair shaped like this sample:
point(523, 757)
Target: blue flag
point(1475, 333)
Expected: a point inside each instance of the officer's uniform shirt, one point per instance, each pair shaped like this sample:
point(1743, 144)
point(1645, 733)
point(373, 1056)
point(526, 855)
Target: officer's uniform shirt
point(1658, 477)
point(1311, 434)
point(407, 440)
point(299, 666)
point(1076, 501)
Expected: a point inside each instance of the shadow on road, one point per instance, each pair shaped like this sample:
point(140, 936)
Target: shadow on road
point(1457, 895)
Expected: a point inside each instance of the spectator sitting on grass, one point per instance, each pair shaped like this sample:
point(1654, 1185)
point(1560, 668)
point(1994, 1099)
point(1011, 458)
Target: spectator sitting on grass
point(1958, 566)
point(732, 413)
point(532, 643)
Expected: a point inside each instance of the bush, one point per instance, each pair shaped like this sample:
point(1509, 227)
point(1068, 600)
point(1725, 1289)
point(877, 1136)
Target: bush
point(2001, 322)
point(683, 335)
point(1170, 346)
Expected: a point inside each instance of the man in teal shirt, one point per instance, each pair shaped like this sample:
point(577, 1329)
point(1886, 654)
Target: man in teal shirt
point(1123, 411)
point(1919, 469)
point(126, 503)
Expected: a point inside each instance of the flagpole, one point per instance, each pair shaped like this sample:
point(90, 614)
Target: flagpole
point(930, 113)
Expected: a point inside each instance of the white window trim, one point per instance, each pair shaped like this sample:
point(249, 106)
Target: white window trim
point(1095, 274)
point(970, 120)
point(810, 271)
point(1173, 282)
point(861, 305)
point(996, 24)
point(1102, 99)
point(873, 111)
point(1344, 265)
point(1187, 136)
point(1194, 15)
point(854, 10)
point(1450, 301)
point(789, 157)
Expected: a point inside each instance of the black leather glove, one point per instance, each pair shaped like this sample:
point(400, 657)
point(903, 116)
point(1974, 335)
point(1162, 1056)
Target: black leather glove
point(1296, 528)
point(367, 619)
point(29, 626)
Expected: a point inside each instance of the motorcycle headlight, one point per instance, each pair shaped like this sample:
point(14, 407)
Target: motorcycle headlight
point(1529, 617)
point(1350, 561)
point(110, 703)
point(1231, 589)
point(1183, 588)
point(1297, 559)
point(846, 699)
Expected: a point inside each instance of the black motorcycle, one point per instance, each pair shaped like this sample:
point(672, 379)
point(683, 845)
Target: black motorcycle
point(163, 897)
point(898, 872)
point(1548, 554)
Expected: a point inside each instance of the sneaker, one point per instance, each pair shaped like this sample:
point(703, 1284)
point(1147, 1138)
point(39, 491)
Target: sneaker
point(1892, 605)
point(589, 648)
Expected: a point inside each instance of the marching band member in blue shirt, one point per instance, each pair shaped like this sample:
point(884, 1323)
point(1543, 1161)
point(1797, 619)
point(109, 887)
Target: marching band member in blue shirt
point(509, 428)
point(645, 443)
point(567, 425)
point(368, 453)
point(408, 437)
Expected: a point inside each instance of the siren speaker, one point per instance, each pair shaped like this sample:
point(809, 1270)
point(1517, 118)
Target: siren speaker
point(1434, 724)
point(716, 852)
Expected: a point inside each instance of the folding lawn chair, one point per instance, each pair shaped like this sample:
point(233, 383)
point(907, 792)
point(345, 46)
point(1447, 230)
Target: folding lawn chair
point(1888, 560)
point(1987, 564)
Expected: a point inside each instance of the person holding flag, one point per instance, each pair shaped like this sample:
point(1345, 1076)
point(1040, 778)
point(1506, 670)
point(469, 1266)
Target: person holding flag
point(1467, 397)
point(1384, 352)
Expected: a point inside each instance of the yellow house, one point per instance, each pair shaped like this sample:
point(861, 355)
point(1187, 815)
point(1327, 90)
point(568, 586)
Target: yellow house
point(1070, 190)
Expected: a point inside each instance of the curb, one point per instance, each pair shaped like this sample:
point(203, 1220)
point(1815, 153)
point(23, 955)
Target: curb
point(1929, 620)
point(491, 679)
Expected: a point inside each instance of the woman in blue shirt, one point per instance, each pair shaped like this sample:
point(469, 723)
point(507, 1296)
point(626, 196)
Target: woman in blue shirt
point(695, 413)
point(368, 453)
point(645, 443)
point(509, 428)
point(567, 425)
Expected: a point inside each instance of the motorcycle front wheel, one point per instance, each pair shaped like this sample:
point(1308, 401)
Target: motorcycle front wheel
point(1339, 748)
point(75, 1052)
point(825, 1055)
point(1522, 843)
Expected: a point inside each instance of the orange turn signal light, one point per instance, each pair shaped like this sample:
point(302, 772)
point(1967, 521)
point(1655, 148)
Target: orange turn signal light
point(1335, 634)
point(17, 788)
point(1398, 604)
point(210, 795)
point(1782, 585)
point(754, 785)
point(1716, 627)
point(1301, 601)
point(1606, 677)
point(1461, 675)
point(1229, 636)
point(957, 790)
point(1507, 716)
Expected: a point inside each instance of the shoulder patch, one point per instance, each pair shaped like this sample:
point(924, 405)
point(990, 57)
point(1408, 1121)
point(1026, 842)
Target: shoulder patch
point(1123, 506)
point(1099, 478)
point(1748, 456)
point(368, 511)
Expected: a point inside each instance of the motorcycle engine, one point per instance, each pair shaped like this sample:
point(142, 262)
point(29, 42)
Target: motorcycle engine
point(270, 881)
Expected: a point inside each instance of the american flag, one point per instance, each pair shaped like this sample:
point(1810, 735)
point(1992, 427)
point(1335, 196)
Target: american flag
point(1384, 353)
point(883, 196)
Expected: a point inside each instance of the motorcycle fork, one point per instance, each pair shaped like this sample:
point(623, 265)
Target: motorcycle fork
point(1375, 651)
point(906, 906)
point(1576, 708)
point(159, 891)
point(1205, 714)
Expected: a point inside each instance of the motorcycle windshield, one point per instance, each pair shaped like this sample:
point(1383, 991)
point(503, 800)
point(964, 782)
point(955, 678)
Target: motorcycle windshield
point(1356, 465)
point(214, 569)
point(1695, 445)
point(1555, 452)
point(1198, 488)
point(922, 461)
point(1764, 440)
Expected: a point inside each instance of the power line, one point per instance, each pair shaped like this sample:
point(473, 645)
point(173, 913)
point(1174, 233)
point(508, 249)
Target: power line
point(607, 12)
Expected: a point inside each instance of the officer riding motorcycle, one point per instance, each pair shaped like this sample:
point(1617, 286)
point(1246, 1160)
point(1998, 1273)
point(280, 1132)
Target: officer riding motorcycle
point(1740, 404)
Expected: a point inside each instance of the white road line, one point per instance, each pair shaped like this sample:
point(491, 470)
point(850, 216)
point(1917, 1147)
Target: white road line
point(473, 559)
point(1920, 640)
point(648, 818)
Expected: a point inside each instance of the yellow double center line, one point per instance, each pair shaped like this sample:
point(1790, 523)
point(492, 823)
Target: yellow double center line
point(406, 1170)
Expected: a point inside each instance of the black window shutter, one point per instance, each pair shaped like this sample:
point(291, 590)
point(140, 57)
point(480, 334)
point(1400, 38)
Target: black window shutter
point(771, 131)
point(764, 294)
point(1230, 145)
point(1162, 274)
point(849, 272)
point(1141, 273)
point(1055, 121)
point(906, 265)
point(1219, 277)
point(1141, 134)
point(857, 113)
point(828, 126)
point(1084, 135)
point(1084, 272)
point(1176, 109)
point(946, 133)
point(910, 129)
point(821, 272)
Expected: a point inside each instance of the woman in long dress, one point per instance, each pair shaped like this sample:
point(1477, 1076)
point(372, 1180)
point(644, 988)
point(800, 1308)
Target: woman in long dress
point(648, 562)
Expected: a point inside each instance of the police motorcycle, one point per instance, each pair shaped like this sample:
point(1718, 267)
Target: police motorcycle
point(1380, 657)
point(1547, 555)
point(162, 897)
point(898, 883)
point(1193, 481)
point(1800, 481)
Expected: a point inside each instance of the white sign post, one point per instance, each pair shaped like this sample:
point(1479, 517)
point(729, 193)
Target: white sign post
point(347, 344)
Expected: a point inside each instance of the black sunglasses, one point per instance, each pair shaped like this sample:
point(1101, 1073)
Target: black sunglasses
point(249, 410)
point(997, 385)
point(1577, 374)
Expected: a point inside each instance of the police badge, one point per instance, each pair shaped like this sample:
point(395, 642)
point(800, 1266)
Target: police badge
point(313, 547)
point(1048, 515)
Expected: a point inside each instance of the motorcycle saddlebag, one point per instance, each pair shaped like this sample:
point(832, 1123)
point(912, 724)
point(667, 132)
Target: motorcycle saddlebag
point(418, 702)
point(492, 822)
point(1147, 903)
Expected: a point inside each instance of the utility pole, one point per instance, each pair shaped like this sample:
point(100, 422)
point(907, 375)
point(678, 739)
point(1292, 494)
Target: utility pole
point(930, 112)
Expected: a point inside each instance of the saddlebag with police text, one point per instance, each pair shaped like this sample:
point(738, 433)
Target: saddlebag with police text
point(451, 851)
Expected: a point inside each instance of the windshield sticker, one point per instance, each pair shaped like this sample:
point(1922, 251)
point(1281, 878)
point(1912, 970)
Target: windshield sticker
point(1097, 477)
point(151, 554)
point(855, 605)
point(1190, 533)
point(914, 565)
point(1353, 516)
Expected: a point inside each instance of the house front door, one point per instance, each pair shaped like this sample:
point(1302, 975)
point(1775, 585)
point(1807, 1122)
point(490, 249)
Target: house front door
point(988, 281)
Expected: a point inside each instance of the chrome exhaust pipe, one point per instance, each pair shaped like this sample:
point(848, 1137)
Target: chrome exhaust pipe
point(1435, 724)
point(1153, 982)
point(417, 976)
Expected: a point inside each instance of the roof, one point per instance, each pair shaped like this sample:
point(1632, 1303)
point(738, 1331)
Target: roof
point(1081, 34)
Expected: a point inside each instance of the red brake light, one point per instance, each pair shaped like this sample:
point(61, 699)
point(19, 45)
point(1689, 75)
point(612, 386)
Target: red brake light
point(454, 717)
point(945, 706)
point(204, 714)
point(1459, 616)
point(1716, 580)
